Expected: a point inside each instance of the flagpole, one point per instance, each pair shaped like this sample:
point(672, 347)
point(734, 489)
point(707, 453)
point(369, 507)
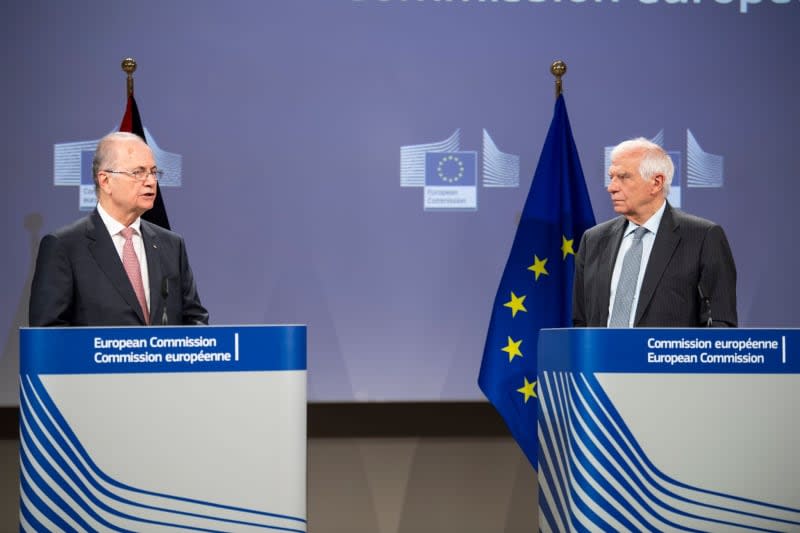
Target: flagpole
point(558, 69)
point(129, 67)
point(132, 123)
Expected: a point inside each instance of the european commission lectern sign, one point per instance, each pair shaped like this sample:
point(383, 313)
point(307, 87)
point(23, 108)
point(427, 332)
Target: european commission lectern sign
point(163, 429)
point(669, 430)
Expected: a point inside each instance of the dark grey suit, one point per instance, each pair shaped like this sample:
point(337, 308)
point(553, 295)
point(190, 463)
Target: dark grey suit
point(688, 252)
point(80, 280)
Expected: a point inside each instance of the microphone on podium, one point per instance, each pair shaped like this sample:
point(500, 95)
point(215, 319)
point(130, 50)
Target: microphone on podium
point(164, 295)
point(705, 308)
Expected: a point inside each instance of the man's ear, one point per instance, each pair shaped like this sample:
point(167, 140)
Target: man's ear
point(658, 183)
point(103, 181)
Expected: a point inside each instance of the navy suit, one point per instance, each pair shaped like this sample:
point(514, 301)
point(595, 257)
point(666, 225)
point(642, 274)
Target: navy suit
point(80, 280)
point(688, 252)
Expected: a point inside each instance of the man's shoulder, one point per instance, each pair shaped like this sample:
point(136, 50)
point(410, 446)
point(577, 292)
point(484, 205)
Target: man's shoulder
point(160, 233)
point(604, 228)
point(74, 229)
point(689, 220)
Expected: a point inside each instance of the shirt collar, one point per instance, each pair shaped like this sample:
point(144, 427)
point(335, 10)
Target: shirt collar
point(113, 226)
point(652, 223)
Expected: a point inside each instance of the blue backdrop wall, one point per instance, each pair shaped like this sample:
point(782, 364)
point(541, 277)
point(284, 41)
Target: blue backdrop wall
point(294, 131)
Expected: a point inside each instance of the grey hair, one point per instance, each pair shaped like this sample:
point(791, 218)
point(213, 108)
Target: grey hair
point(104, 153)
point(655, 160)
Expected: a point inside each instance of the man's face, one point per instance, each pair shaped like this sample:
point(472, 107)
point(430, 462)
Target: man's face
point(631, 195)
point(127, 198)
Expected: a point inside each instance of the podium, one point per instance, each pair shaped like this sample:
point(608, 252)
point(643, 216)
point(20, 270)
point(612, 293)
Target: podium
point(669, 429)
point(163, 429)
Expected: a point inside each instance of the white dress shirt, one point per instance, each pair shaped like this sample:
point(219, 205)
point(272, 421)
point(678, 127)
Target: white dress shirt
point(647, 246)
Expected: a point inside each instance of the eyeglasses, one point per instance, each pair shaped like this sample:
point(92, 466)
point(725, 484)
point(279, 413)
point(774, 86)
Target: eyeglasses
point(140, 174)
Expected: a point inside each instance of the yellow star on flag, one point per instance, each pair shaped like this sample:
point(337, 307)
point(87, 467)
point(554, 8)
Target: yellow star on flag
point(527, 390)
point(566, 246)
point(516, 304)
point(538, 266)
point(512, 349)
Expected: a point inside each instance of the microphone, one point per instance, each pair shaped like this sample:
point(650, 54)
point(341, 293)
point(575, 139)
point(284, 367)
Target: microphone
point(164, 295)
point(705, 308)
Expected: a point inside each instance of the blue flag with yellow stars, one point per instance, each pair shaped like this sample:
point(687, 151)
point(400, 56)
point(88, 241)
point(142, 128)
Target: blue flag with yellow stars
point(536, 288)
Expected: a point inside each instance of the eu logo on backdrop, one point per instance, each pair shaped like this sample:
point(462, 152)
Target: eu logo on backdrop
point(702, 170)
point(449, 176)
point(72, 167)
point(451, 181)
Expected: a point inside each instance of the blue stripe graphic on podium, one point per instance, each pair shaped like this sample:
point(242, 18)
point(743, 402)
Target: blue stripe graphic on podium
point(616, 486)
point(62, 488)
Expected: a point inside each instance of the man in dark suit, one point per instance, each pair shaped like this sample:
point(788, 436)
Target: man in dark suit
point(680, 272)
point(112, 268)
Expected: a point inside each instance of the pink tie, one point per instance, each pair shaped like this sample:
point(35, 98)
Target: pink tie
point(131, 264)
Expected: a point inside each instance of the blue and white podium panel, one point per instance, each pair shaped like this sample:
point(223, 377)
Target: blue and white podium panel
point(669, 430)
point(163, 429)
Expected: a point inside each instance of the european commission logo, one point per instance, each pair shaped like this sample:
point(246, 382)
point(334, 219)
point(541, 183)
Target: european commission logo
point(703, 170)
point(72, 167)
point(449, 176)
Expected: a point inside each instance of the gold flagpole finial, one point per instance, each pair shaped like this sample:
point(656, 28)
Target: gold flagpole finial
point(129, 67)
point(558, 69)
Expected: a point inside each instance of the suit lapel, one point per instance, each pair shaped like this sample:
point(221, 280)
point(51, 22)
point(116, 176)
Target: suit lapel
point(105, 255)
point(667, 240)
point(151, 247)
point(609, 245)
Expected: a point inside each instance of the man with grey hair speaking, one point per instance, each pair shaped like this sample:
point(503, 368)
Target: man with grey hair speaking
point(654, 266)
point(112, 268)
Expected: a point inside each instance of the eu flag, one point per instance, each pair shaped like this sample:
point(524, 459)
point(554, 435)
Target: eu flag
point(536, 288)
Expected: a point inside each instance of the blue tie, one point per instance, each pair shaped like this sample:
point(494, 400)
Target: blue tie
point(626, 287)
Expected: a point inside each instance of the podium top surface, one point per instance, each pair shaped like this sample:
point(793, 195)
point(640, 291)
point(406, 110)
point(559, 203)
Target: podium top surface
point(154, 349)
point(671, 350)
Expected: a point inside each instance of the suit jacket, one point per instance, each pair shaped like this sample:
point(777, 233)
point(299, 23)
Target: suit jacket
point(688, 252)
point(80, 281)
